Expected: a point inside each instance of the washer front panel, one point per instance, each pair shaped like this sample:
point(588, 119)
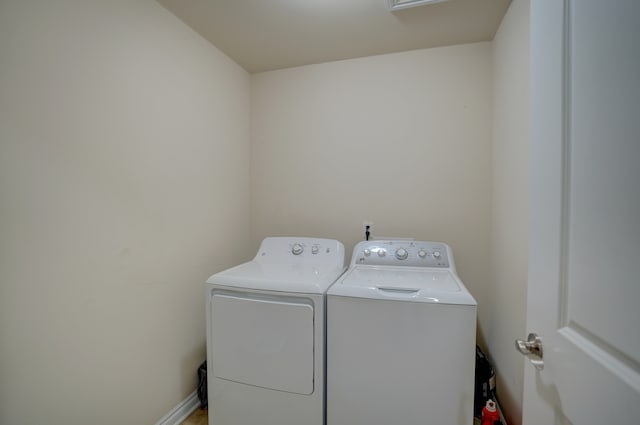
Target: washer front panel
point(406, 363)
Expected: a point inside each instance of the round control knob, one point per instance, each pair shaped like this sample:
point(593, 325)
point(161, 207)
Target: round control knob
point(367, 252)
point(422, 253)
point(382, 253)
point(401, 254)
point(436, 254)
point(297, 249)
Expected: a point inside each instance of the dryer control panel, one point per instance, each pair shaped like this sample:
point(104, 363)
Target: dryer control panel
point(310, 251)
point(402, 253)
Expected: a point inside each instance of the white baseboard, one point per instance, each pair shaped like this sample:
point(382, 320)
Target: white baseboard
point(182, 411)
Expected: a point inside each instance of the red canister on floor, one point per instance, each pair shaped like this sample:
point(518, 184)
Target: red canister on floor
point(490, 413)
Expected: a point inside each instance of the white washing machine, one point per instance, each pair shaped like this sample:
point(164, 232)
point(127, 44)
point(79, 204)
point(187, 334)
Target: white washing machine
point(266, 334)
point(401, 331)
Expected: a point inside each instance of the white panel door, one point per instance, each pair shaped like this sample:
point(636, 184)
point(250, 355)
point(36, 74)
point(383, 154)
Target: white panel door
point(584, 265)
point(266, 343)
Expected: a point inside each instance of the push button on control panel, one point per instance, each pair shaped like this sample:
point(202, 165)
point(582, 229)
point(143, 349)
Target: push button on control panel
point(401, 254)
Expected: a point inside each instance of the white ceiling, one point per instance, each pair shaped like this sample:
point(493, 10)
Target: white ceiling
point(263, 35)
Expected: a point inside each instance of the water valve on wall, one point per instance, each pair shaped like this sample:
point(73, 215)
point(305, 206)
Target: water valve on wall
point(368, 228)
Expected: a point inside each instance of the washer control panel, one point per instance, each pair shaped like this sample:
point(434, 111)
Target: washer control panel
point(402, 253)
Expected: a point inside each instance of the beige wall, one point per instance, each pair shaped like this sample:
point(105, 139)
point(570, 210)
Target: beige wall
point(124, 183)
point(509, 235)
point(403, 140)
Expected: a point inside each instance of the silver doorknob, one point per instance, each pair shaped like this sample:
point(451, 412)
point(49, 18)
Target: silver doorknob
point(532, 348)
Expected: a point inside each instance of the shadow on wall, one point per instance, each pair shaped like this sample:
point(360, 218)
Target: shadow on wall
point(189, 367)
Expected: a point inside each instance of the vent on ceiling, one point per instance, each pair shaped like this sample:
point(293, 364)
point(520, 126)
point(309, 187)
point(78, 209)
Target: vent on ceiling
point(394, 5)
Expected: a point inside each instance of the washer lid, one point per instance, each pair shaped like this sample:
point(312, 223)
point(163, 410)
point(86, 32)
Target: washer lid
point(416, 284)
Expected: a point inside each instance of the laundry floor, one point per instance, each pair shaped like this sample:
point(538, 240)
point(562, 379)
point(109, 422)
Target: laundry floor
point(199, 417)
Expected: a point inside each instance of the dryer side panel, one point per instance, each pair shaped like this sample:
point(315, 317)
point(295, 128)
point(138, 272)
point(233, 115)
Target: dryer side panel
point(263, 342)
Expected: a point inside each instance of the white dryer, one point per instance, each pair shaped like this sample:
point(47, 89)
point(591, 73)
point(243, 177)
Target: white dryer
point(401, 332)
point(266, 334)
